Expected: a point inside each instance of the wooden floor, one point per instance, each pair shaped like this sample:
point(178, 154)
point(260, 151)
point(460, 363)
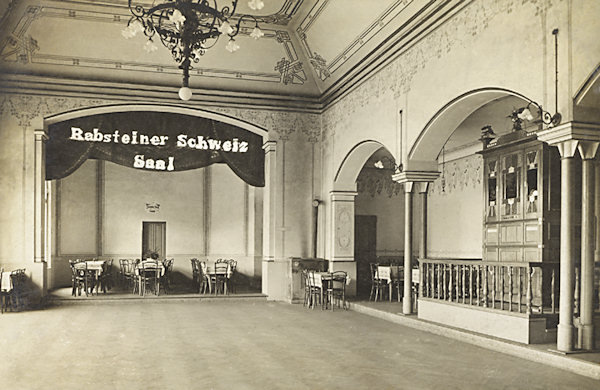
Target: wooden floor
point(246, 344)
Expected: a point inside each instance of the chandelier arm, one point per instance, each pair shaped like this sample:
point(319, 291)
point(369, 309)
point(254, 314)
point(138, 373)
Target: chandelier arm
point(237, 27)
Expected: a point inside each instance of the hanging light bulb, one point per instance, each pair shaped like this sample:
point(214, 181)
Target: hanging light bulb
point(232, 46)
point(256, 4)
point(185, 93)
point(257, 33)
point(225, 28)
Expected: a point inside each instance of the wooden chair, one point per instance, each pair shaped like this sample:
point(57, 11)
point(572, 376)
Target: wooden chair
point(106, 278)
point(316, 288)
point(377, 284)
point(336, 289)
point(81, 278)
point(4, 291)
point(126, 272)
point(220, 277)
point(19, 293)
point(166, 278)
point(204, 282)
point(307, 292)
point(149, 275)
point(195, 273)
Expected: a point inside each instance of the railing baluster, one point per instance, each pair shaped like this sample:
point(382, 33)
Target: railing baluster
point(445, 271)
point(470, 284)
point(478, 285)
point(552, 292)
point(457, 282)
point(493, 271)
point(576, 294)
point(439, 281)
point(501, 276)
point(529, 275)
point(450, 276)
point(484, 274)
point(432, 280)
point(519, 291)
point(510, 288)
point(464, 289)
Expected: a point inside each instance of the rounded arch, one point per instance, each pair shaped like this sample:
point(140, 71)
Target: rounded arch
point(345, 177)
point(441, 126)
point(113, 108)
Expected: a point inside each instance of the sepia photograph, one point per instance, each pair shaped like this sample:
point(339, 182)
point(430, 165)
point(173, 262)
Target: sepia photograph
point(300, 194)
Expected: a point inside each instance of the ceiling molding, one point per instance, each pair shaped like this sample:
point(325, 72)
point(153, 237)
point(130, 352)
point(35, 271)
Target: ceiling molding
point(61, 87)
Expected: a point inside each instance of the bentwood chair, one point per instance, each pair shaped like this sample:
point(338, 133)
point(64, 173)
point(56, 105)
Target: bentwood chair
point(316, 288)
point(4, 291)
point(195, 273)
point(19, 294)
point(307, 292)
point(220, 277)
point(166, 279)
point(149, 275)
point(377, 284)
point(336, 289)
point(81, 278)
point(204, 279)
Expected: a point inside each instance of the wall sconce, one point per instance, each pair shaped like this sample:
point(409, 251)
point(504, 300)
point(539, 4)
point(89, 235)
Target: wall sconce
point(388, 162)
point(524, 113)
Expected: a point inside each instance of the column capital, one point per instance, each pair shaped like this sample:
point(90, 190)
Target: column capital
point(342, 196)
point(588, 149)
point(570, 131)
point(40, 135)
point(269, 146)
point(415, 176)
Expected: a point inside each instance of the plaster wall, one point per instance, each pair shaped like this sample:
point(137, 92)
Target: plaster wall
point(455, 216)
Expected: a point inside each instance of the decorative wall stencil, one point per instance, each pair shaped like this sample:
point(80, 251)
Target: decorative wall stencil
point(378, 182)
point(459, 174)
point(325, 68)
point(343, 228)
point(24, 108)
point(20, 47)
point(459, 31)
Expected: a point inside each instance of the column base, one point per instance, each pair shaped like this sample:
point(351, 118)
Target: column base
point(587, 336)
point(564, 338)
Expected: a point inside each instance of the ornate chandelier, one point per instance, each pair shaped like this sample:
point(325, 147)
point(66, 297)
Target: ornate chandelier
point(188, 28)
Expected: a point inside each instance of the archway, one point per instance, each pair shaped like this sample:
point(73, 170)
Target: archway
point(205, 190)
point(342, 210)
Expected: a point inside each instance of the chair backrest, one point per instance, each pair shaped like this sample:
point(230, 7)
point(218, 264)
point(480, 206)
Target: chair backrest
point(17, 279)
point(195, 265)
point(374, 271)
point(150, 268)
point(316, 279)
point(202, 268)
point(222, 268)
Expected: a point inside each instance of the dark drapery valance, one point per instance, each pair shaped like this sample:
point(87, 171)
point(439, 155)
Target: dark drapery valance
point(156, 141)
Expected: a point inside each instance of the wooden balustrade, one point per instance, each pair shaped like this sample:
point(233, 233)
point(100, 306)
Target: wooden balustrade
point(528, 287)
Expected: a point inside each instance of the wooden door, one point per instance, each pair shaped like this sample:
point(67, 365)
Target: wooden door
point(365, 245)
point(154, 239)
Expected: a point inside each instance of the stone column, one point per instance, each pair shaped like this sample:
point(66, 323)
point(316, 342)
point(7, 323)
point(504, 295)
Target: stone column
point(269, 211)
point(587, 150)
point(567, 262)
point(410, 179)
point(422, 189)
point(39, 272)
point(407, 296)
point(567, 138)
point(342, 229)
point(597, 210)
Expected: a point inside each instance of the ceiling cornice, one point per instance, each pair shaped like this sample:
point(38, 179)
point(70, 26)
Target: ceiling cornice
point(61, 87)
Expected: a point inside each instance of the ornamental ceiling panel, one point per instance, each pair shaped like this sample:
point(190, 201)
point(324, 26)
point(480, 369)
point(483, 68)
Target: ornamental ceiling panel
point(310, 48)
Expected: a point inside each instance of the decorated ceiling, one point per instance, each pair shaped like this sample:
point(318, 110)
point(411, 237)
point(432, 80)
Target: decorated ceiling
point(311, 50)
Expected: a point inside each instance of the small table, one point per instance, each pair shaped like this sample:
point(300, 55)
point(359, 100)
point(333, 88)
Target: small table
point(140, 267)
point(96, 266)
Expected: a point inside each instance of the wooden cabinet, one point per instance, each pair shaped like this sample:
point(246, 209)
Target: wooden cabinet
point(521, 199)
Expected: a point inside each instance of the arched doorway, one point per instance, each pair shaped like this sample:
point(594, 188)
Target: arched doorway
point(111, 201)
